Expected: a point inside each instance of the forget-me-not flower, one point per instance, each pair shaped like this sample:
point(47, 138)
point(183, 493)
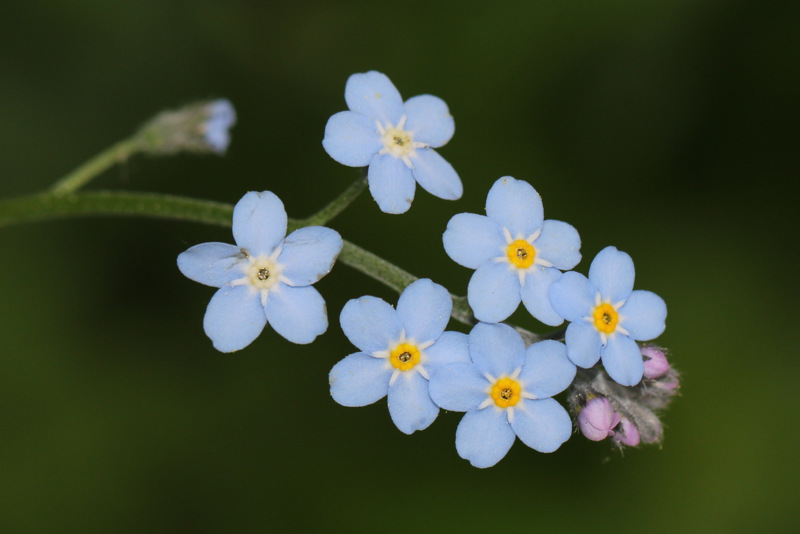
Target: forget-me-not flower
point(606, 315)
point(399, 349)
point(505, 390)
point(264, 277)
point(395, 140)
point(516, 254)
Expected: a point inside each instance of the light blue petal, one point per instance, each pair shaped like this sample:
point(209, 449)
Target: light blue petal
point(612, 274)
point(547, 371)
point(374, 95)
point(516, 205)
point(496, 349)
point(391, 183)
point(484, 437)
point(429, 120)
point(352, 139)
point(573, 296)
point(493, 292)
point(472, 239)
point(212, 264)
point(535, 293)
point(259, 222)
point(308, 254)
point(297, 313)
point(583, 344)
point(623, 360)
point(424, 310)
point(643, 315)
point(451, 347)
point(370, 324)
point(436, 175)
point(234, 318)
point(458, 387)
point(410, 405)
point(542, 424)
point(359, 380)
point(560, 244)
point(221, 117)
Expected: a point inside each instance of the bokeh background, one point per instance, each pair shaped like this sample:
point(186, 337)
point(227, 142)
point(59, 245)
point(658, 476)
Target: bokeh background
point(666, 128)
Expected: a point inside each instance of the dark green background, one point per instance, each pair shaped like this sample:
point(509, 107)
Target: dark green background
point(665, 128)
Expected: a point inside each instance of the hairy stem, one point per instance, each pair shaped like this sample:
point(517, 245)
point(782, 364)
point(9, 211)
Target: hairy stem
point(95, 166)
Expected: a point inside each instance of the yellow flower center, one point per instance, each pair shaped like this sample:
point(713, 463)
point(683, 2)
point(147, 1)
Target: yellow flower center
point(404, 356)
point(506, 392)
point(521, 254)
point(397, 142)
point(605, 318)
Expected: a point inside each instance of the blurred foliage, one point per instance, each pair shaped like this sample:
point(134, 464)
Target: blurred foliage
point(666, 128)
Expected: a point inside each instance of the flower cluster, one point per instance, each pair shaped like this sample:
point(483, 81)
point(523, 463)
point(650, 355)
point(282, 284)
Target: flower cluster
point(503, 378)
point(407, 356)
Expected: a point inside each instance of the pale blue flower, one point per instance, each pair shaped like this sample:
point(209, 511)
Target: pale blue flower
point(606, 316)
point(395, 140)
point(516, 254)
point(265, 277)
point(505, 390)
point(399, 348)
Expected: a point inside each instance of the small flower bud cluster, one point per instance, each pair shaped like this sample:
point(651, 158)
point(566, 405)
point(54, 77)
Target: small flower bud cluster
point(199, 127)
point(627, 415)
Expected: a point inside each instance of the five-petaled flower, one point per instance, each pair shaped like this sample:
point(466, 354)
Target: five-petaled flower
point(505, 390)
point(516, 253)
point(606, 315)
point(264, 277)
point(395, 140)
point(399, 349)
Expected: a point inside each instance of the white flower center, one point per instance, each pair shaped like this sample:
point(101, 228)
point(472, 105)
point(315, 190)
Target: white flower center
point(399, 142)
point(261, 273)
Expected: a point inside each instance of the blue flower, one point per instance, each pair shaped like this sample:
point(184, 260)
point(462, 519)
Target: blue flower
point(505, 390)
point(395, 139)
point(398, 351)
point(516, 253)
point(221, 117)
point(264, 277)
point(607, 316)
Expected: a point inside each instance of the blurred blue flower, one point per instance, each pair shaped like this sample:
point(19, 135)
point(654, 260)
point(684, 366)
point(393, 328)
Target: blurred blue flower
point(221, 117)
point(505, 390)
point(606, 316)
point(398, 351)
point(199, 127)
point(264, 277)
point(516, 253)
point(395, 139)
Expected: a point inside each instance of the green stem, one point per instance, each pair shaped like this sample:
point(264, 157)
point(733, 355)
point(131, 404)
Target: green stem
point(95, 166)
point(338, 205)
point(51, 206)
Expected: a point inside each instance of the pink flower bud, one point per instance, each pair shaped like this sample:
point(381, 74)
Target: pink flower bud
point(627, 433)
point(655, 362)
point(597, 419)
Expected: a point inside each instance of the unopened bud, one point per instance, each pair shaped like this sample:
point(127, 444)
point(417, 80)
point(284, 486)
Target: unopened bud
point(655, 361)
point(597, 419)
point(198, 127)
point(627, 433)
